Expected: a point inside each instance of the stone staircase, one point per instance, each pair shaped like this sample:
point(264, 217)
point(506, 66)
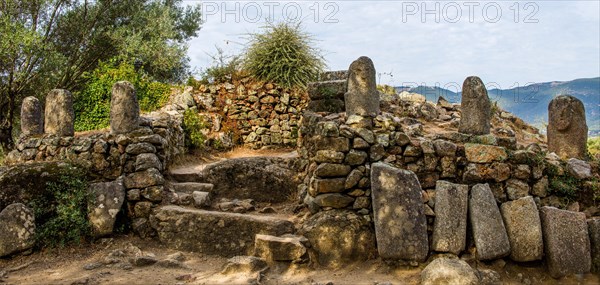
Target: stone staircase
point(220, 208)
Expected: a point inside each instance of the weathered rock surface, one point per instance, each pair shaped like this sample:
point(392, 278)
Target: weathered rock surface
point(108, 197)
point(362, 97)
point(17, 229)
point(476, 108)
point(338, 237)
point(219, 233)
point(124, 108)
point(244, 264)
point(524, 229)
point(285, 248)
point(450, 226)
point(448, 271)
point(566, 241)
point(481, 153)
point(32, 122)
point(400, 223)
point(594, 230)
point(59, 114)
point(579, 168)
point(488, 228)
point(567, 130)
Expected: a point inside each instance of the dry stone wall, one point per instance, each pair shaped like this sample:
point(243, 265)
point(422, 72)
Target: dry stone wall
point(251, 113)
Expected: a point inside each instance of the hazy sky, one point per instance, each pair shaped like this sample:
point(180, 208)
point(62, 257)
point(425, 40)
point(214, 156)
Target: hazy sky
point(426, 42)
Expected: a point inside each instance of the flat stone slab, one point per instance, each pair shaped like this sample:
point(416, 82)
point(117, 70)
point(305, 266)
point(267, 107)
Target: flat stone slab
point(450, 226)
point(285, 248)
point(566, 242)
point(488, 228)
point(331, 89)
point(400, 223)
point(524, 229)
point(191, 187)
point(218, 233)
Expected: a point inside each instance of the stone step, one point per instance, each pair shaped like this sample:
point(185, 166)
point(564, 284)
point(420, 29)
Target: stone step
point(215, 233)
point(264, 179)
point(191, 187)
point(332, 89)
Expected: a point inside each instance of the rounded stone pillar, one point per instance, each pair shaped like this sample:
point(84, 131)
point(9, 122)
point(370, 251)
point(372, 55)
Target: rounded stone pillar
point(475, 107)
point(362, 98)
point(124, 108)
point(567, 130)
point(32, 122)
point(59, 113)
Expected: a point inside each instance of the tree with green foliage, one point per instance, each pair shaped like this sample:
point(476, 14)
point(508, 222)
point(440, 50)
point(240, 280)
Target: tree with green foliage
point(49, 44)
point(283, 54)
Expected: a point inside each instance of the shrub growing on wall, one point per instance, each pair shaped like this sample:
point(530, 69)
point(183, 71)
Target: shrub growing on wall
point(92, 104)
point(283, 54)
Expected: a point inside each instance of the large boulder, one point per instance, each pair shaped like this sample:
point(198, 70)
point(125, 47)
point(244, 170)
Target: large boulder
point(108, 197)
point(567, 130)
point(566, 242)
point(17, 229)
point(338, 237)
point(450, 226)
point(448, 271)
point(476, 108)
point(400, 223)
point(209, 232)
point(59, 113)
point(488, 228)
point(362, 97)
point(524, 229)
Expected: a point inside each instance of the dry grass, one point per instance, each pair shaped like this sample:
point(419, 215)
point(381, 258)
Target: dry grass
point(202, 157)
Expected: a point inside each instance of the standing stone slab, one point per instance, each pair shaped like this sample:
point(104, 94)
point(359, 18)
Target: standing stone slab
point(594, 230)
point(476, 108)
point(450, 226)
point(524, 229)
point(567, 129)
point(59, 113)
point(32, 122)
point(107, 202)
point(566, 242)
point(124, 108)
point(362, 97)
point(17, 228)
point(489, 233)
point(400, 223)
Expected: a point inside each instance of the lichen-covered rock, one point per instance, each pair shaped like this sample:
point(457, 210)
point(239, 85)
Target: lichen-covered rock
point(59, 114)
point(284, 248)
point(208, 232)
point(450, 226)
point(362, 97)
point(124, 108)
point(481, 153)
point(400, 223)
point(476, 108)
point(338, 237)
point(524, 229)
point(488, 228)
point(32, 122)
point(143, 179)
point(447, 271)
point(108, 197)
point(334, 200)
point(566, 242)
point(579, 168)
point(17, 229)
point(567, 130)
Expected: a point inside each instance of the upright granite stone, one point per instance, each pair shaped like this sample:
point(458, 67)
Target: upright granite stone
point(450, 226)
point(476, 108)
point(524, 229)
point(594, 230)
point(103, 209)
point(17, 229)
point(567, 129)
point(59, 113)
point(124, 108)
point(400, 223)
point(489, 233)
point(32, 122)
point(566, 242)
point(362, 97)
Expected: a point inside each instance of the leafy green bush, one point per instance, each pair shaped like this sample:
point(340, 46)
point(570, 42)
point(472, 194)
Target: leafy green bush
point(193, 124)
point(283, 54)
point(593, 146)
point(92, 104)
point(61, 214)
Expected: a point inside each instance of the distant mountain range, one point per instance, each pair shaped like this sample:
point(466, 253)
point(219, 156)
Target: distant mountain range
point(530, 102)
